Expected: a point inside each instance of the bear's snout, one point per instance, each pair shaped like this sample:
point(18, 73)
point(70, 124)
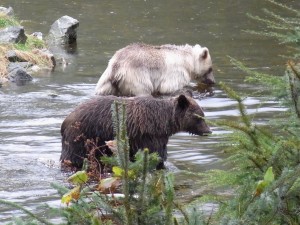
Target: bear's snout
point(204, 129)
point(206, 133)
point(209, 78)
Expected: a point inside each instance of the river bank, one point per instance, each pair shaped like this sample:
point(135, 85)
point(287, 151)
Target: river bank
point(22, 54)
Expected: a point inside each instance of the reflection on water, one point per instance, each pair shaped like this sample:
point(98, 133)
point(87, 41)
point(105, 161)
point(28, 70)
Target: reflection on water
point(30, 116)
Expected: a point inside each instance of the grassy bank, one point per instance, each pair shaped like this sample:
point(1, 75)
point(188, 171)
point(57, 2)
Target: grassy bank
point(30, 51)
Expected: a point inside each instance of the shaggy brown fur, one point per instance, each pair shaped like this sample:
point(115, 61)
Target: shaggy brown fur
point(150, 123)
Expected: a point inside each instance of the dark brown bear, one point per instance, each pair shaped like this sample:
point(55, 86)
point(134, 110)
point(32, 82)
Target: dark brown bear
point(150, 123)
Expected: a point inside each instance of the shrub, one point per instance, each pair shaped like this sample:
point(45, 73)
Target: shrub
point(263, 179)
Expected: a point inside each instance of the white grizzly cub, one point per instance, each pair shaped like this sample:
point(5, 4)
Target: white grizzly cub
point(140, 69)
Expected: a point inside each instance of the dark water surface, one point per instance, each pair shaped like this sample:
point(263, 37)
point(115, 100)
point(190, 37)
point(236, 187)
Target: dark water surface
point(31, 115)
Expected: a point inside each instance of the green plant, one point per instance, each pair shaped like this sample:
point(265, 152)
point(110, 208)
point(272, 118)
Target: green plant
point(263, 180)
point(264, 173)
point(284, 29)
point(31, 43)
point(6, 21)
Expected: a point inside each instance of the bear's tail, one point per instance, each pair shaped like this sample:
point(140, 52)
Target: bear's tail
point(105, 85)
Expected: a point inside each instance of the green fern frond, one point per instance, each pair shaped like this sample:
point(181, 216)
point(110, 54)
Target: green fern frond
point(285, 25)
point(283, 6)
point(278, 18)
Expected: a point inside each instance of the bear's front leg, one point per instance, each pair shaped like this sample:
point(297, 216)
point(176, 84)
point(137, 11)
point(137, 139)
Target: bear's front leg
point(162, 152)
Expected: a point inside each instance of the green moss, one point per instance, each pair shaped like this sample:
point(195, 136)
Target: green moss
point(34, 42)
point(6, 21)
point(31, 43)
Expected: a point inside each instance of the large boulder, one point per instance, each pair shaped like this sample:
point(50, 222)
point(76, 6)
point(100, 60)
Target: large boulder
point(64, 30)
point(15, 34)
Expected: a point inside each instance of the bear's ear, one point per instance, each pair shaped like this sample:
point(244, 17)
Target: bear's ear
point(204, 53)
point(183, 102)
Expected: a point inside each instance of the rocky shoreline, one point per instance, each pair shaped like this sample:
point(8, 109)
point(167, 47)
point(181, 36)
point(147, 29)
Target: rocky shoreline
point(18, 65)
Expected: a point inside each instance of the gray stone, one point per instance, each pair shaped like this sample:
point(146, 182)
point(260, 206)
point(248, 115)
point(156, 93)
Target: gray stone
point(13, 57)
point(19, 76)
point(7, 11)
point(18, 65)
point(13, 35)
point(38, 35)
point(64, 30)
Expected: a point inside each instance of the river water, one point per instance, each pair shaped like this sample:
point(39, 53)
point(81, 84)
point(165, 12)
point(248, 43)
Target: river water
point(31, 115)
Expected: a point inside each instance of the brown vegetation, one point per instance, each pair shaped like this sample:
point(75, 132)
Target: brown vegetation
point(3, 62)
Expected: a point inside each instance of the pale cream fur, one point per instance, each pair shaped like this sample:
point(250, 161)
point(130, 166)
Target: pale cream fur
point(140, 69)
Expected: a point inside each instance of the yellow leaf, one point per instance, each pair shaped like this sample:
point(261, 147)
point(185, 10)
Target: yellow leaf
point(72, 194)
point(79, 177)
point(269, 176)
point(262, 184)
point(260, 187)
point(118, 172)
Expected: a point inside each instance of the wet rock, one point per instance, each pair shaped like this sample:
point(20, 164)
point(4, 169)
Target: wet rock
point(7, 11)
point(38, 35)
point(19, 76)
point(2, 81)
point(14, 34)
point(52, 94)
point(64, 30)
point(12, 56)
point(17, 65)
